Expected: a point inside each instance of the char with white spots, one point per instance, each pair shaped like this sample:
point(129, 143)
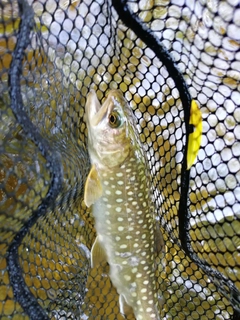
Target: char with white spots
point(119, 192)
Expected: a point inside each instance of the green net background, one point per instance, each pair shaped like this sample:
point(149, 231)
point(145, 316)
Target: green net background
point(82, 44)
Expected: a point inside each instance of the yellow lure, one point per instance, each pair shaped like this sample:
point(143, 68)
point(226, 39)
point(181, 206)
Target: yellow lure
point(195, 138)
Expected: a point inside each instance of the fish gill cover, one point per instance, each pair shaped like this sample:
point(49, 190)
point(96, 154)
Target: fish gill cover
point(161, 54)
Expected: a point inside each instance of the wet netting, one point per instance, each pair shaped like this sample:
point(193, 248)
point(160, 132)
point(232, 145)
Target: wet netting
point(161, 54)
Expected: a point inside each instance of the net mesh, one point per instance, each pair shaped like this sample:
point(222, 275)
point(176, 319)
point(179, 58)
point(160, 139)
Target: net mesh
point(51, 54)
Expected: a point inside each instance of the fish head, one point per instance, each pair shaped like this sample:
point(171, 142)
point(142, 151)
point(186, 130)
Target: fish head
point(108, 127)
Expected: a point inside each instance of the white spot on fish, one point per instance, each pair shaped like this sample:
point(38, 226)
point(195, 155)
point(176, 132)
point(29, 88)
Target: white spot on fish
point(108, 221)
point(140, 221)
point(120, 182)
point(120, 219)
point(109, 206)
point(143, 290)
point(119, 174)
point(134, 203)
point(130, 193)
point(128, 237)
point(119, 200)
point(149, 309)
point(138, 275)
point(134, 270)
point(118, 209)
point(118, 192)
point(144, 236)
point(127, 277)
point(134, 294)
point(133, 285)
point(135, 245)
point(123, 246)
point(139, 212)
point(145, 282)
point(144, 298)
point(106, 183)
point(108, 192)
point(120, 228)
point(118, 238)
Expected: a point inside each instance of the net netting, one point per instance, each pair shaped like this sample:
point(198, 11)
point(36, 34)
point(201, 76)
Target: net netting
point(161, 54)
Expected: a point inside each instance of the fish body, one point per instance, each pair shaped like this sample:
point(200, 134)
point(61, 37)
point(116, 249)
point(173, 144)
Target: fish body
point(118, 188)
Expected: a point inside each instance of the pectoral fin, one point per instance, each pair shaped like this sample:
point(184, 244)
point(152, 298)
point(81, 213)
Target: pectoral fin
point(125, 309)
point(194, 141)
point(93, 187)
point(98, 254)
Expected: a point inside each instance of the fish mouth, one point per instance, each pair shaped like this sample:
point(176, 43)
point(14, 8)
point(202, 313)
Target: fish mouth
point(96, 112)
point(93, 106)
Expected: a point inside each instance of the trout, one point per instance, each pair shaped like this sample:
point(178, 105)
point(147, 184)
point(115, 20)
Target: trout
point(118, 188)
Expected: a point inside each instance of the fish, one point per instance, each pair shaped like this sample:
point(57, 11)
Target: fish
point(118, 189)
point(195, 137)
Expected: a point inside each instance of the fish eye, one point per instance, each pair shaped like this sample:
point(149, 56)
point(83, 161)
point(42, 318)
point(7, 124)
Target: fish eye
point(114, 119)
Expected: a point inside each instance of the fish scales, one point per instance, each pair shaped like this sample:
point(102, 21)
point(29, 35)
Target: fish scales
point(125, 228)
point(123, 213)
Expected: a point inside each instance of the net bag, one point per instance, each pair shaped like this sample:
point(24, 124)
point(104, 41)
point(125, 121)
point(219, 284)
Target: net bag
point(162, 55)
